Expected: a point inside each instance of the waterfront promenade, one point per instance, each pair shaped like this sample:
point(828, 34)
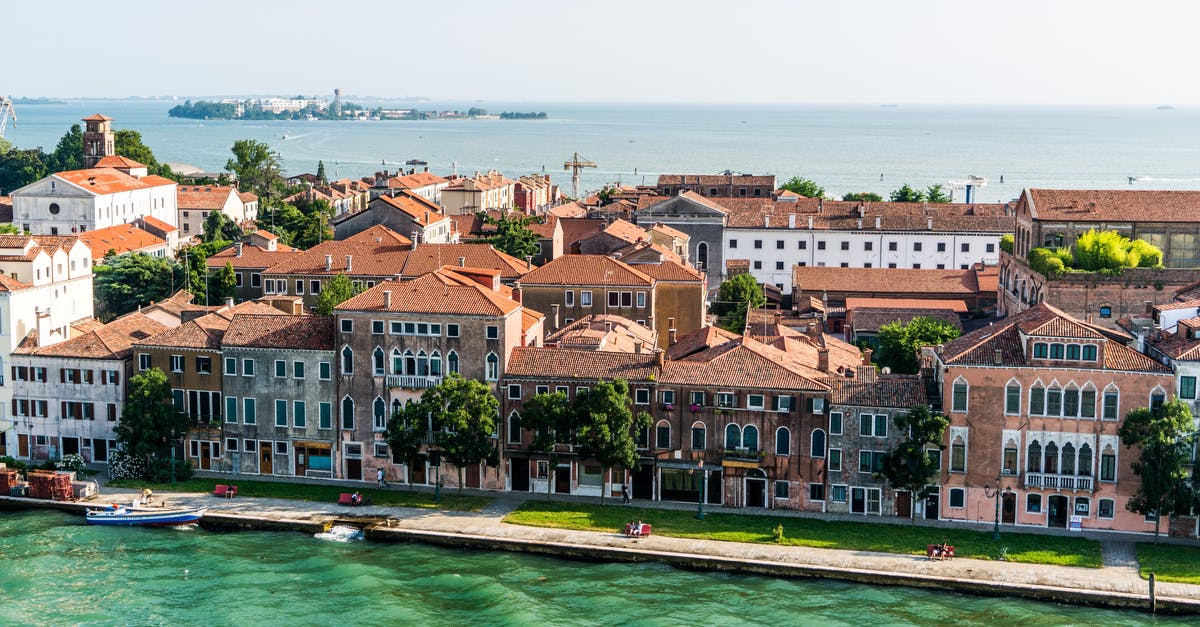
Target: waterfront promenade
point(1116, 584)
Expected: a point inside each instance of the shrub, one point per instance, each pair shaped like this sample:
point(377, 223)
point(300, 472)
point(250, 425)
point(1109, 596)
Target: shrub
point(1006, 243)
point(16, 465)
point(1044, 261)
point(73, 462)
point(160, 471)
point(121, 465)
point(1143, 254)
point(778, 534)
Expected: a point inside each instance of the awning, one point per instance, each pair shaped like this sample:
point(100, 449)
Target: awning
point(686, 465)
point(320, 445)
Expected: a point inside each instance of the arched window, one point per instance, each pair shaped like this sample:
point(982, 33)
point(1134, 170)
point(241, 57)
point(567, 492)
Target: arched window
point(348, 413)
point(750, 437)
point(817, 447)
point(1071, 401)
point(733, 436)
point(452, 363)
point(1085, 460)
point(1087, 401)
point(1068, 459)
point(347, 360)
point(397, 362)
point(377, 361)
point(435, 364)
point(1051, 458)
point(492, 367)
point(410, 362)
point(397, 407)
point(514, 428)
point(1034, 457)
point(699, 436)
point(423, 364)
point(380, 414)
point(1054, 400)
point(702, 255)
point(783, 441)
point(662, 434)
point(959, 401)
point(1012, 398)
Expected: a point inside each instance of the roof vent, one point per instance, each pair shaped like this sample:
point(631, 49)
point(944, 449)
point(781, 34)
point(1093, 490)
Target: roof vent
point(387, 299)
point(462, 262)
point(349, 262)
point(328, 263)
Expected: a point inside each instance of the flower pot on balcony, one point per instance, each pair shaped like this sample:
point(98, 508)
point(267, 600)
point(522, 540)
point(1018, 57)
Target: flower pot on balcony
point(695, 408)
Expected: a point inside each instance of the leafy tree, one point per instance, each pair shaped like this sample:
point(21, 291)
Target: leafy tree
point(5, 145)
point(321, 172)
point(19, 168)
point(1006, 243)
point(465, 410)
point(1165, 436)
point(513, 236)
point(222, 284)
point(304, 223)
point(863, 197)
point(129, 144)
point(150, 426)
point(124, 283)
point(1046, 262)
point(607, 195)
point(899, 343)
point(734, 297)
point(336, 291)
point(907, 194)
point(551, 419)
point(934, 195)
point(1109, 250)
point(804, 187)
point(9, 229)
point(220, 227)
point(195, 259)
point(68, 154)
point(605, 427)
point(257, 168)
point(406, 432)
point(908, 466)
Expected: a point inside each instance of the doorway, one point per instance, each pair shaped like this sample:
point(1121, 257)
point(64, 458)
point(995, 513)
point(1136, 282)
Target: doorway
point(519, 469)
point(205, 455)
point(932, 505)
point(756, 488)
point(100, 451)
point(904, 504)
point(70, 446)
point(1008, 509)
point(643, 482)
point(472, 474)
point(22, 445)
point(266, 458)
point(562, 479)
point(301, 461)
point(1058, 511)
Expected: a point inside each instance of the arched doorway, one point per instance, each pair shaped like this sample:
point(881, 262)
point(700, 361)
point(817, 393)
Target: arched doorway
point(756, 488)
point(702, 256)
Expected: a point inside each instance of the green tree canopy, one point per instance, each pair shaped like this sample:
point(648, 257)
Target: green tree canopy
point(513, 236)
point(863, 197)
point(605, 426)
point(257, 168)
point(222, 284)
point(219, 227)
point(68, 154)
point(129, 144)
point(195, 261)
point(907, 194)
point(150, 425)
point(551, 419)
point(465, 410)
point(1165, 436)
point(336, 291)
point(804, 187)
point(1109, 250)
point(1006, 243)
point(406, 431)
point(935, 195)
point(321, 172)
point(908, 465)
point(735, 295)
point(124, 283)
point(899, 343)
point(19, 168)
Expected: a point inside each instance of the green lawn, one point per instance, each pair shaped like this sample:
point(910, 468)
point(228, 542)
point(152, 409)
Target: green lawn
point(398, 497)
point(1170, 562)
point(855, 536)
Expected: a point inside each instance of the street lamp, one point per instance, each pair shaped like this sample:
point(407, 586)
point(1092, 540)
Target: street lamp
point(703, 489)
point(995, 494)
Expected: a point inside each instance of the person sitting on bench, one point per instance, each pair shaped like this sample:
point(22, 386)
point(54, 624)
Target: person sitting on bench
point(356, 499)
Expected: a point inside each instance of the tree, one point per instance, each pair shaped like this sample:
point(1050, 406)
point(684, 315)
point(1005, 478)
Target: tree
point(804, 187)
point(9, 229)
point(513, 236)
point(150, 426)
point(336, 291)
point(1165, 436)
point(551, 419)
point(465, 410)
point(68, 154)
point(605, 427)
point(124, 283)
point(1109, 250)
point(934, 195)
point(907, 194)
point(129, 144)
point(734, 297)
point(222, 284)
point(19, 168)
point(406, 432)
point(863, 197)
point(257, 168)
point(1006, 243)
point(908, 466)
point(321, 172)
point(195, 259)
point(5, 145)
point(899, 343)
point(220, 227)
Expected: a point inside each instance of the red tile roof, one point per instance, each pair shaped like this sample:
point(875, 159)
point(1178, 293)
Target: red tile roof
point(885, 280)
point(901, 391)
point(117, 161)
point(605, 333)
point(421, 211)
point(204, 197)
point(252, 257)
point(110, 341)
point(564, 364)
point(956, 306)
point(380, 234)
point(155, 223)
point(103, 181)
point(587, 270)
point(274, 331)
point(434, 293)
point(1107, 205)
point(120, 239)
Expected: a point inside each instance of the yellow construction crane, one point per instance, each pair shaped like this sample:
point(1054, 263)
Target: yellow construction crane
point(576, 164)
point(6, 110)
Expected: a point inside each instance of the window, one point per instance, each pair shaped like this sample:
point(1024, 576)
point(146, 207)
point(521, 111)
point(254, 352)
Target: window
point(892, 246)
point(837, 493)
point(817, 445)
point(1037, 400)
point(514, 392)
point(299, 286)
point(1012, 398)
point(1105, 508)
point(641, 299)
point(255, 280)
point(917, 246)
point(958, 497)
point(230, 367)
point(779, 244)
point(733, 436)
point(452, 362)
point(754, 401)
point(758, 243)
point(377, 361)
point(280, 368)
point(297, 370)
point(249, 411)
point(377, 327)
point(1089, 352)
point(778, 265)
point(960, 396)
point(816, 491)
point(726, 399)
point(569, 298)
point(1033, 503)
point(641, 396)
point(491, 365)
point(698, 436)
point(1073, 351)
point(493, 332)
point(203, 365)
point(1083, 506)
point(1108, 467)
point(697, 398)
point(231, 412)
point(451, 330)
point(1106, 312)
point(1010, 460)
point(821, 245)
point(870, 461)
point(281, 448)
point(845, 245)
point(733, 243)
point(1111, 404)
point(176, 363)
point(247, 367)
point(783, 404)
point(347, 325)
point(666, 397)
point(868, 245)
point(958, 456)
point(314, 287)
point(348, 413)
point(750, 437)
point(325, 416)
point(991, 248)
point(1187, 387)
point(143, 361)
point(324, 371)
point(1056, 351)
point(803, 245)
point(299, 414)
point(541, 389)
point(835, 423)
point(662, 435)
point(379, 413)
point(941, 247)
point(585, 298)
point(881, 425)
point(347, 360)
point(835, 460)
point(280, 413)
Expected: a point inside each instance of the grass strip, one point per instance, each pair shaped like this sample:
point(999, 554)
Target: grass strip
point(394, 497)
point(1169, 562)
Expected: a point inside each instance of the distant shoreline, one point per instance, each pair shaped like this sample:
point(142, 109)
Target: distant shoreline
point(315, 109)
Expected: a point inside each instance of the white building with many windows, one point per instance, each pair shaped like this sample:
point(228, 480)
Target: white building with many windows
point(75, 201)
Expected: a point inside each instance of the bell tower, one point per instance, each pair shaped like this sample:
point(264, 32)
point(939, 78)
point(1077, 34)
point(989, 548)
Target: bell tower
point(97, 139)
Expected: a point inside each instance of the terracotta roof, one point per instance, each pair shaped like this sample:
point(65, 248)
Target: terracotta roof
point(415, 180)
point(579, 365)
point(272, 331)
point(568, 210)
point(433, 293)
point(204, 197)
point(575, 229)
point(1107, 205)
point(671, 271)
point(861, 215)
point(421, 211)
point(154, 180)
point(957, 306)
point(97, 117)
point(248, 197)
point(379, 234)
point(587, 270)
point(604, 333)
point(529, 318)
point(624, 230)
point(884, 280)
point(744, 363)
point(119, 238)
point(253, 257)
point(645, 203)
point(1187, 304)
point(668, 231)
point(207, 331)
point(430, 257)
point(887, 390)
point(700, 180)
point(483, 182)
point(367, 259)
point(102, 181)
point(117, 161)
point(111, 341)
point(155, 223)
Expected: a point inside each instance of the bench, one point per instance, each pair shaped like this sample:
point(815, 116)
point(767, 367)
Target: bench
point(644, 531)
point(227, 491)
point(931, 552)
point(346, 498)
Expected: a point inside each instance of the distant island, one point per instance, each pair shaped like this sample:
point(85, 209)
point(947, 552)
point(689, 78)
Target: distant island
point(37, 101)
point(300, 108)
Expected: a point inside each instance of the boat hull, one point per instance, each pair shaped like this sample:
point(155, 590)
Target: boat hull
point(125, 518)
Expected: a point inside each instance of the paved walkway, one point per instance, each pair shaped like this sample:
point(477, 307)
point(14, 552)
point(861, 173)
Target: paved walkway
point(1119, 575)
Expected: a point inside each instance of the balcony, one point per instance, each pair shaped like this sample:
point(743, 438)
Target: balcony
point(743, 454)
point(1058, 482)
point(411, 381)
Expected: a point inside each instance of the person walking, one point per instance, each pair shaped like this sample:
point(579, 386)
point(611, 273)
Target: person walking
point(379, 480)
point(625, 500)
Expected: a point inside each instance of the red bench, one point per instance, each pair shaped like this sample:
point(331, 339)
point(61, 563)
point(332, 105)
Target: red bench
point(227, 491)
point(346, 498)
point(931, 552)
point(644, 531)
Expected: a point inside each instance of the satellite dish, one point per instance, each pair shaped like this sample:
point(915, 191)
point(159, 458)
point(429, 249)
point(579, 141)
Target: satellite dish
point(885, 370)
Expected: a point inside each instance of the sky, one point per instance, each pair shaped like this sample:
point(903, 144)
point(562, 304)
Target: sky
point(995, 52)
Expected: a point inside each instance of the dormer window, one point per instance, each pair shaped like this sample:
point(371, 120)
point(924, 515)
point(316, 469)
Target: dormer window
point(1072, 351)
point(1056, 351)
point(1089, 352)
point(1040, 350)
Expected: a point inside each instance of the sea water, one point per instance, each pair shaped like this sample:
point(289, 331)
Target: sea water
point(55, 570)
point(843, 148)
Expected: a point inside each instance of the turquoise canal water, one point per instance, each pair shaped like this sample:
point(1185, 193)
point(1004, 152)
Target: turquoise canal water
point(54, 570)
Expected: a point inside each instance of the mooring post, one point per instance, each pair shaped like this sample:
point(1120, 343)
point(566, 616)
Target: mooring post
point(1153, 600)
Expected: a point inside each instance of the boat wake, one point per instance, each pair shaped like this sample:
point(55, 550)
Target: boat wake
point(341, 533)
point(1164, 180)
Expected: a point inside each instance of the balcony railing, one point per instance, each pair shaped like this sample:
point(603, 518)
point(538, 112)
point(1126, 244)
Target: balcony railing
point(743, 454)
point(1058, 482)
point(411, 381)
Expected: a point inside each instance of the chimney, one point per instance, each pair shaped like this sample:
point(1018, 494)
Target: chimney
point(929, 223)
point(792, 221)
point(416, 238)
point(349, 263)
point(660, 358)
point(823, 359)
point(462, 262)
point(387, 299)
point(608, 326)
point(867, 354)
point(228, 301)
point(529, 262)
point(810, 222)
point(672, 336)
point(878, 222)
point(766, 222)
point(778, 317)
point(554, 315)
point(239, 249)
point(860, 224)
point(328, 263)
point(821, 205)
point(998, 357)
point(426, 217)
point(516, 294)
point(637, 347)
